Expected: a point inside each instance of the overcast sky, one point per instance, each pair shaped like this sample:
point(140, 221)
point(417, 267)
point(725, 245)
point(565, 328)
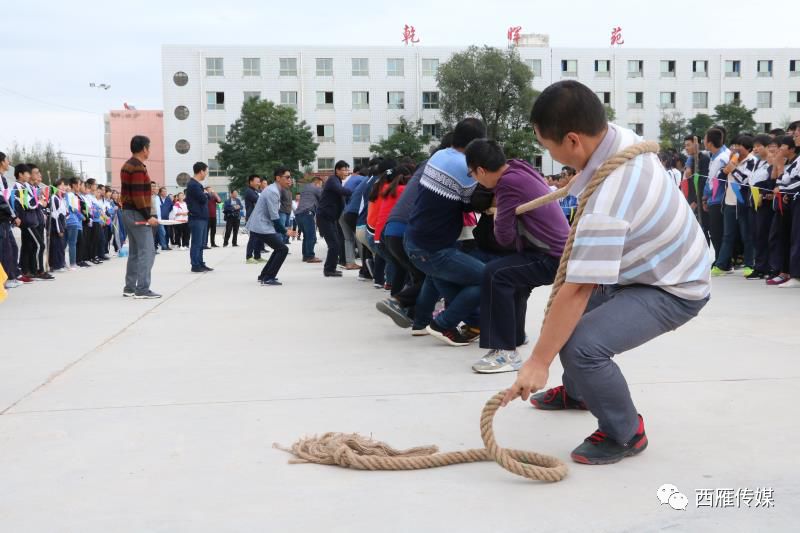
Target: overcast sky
point(51, 51)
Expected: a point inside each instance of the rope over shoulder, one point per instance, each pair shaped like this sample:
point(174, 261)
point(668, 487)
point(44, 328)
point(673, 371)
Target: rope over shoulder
point(362, 453)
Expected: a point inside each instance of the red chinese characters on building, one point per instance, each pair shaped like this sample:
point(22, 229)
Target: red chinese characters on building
point(410, 35)
point(513, 34)
point(616, 36)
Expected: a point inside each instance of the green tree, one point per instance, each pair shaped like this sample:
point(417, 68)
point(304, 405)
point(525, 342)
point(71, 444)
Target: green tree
point(611, 115)
point(521, 144)
point(406, 141)
point(674, 127)
point(489, 83)
point(51, 162)
point(735, 118)
point(264, 137)
point(699, 125)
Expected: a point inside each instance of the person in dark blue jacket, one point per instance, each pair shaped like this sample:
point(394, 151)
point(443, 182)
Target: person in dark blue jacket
point(197, 203)
point(331, 206)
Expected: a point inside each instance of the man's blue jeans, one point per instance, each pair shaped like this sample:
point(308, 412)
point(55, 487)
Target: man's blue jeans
point(736, 220)
point(285, 221)
point(457, 276)
point(309, 230)
point(72, 244)
point(197, 230)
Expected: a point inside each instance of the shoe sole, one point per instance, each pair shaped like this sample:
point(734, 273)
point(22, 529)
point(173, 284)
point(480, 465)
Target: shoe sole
point(499, 370)
point(610, 461)
point(128, 294)
point(398, 318)
point(146, 297)
point(433, 333)
point(549, 407)
point(419, 333)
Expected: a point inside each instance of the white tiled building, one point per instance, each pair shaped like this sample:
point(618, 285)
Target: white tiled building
point(353, 96)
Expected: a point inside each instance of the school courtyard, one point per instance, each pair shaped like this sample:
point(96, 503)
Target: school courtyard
point(160, 415)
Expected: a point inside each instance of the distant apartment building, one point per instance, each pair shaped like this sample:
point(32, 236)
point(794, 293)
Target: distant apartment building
point(123, 124)
point(353, 96)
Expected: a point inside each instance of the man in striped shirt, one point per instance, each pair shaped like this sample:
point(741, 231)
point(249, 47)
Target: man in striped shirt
point(639, 268)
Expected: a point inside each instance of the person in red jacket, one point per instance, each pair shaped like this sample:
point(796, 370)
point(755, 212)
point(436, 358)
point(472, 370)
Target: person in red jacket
point(211, 232)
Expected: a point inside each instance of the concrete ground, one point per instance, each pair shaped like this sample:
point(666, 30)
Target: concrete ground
point(159, 416)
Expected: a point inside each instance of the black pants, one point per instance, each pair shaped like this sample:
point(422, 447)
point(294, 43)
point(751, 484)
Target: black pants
point(181, 232)
point(212, 231)
point(9, 254)
point(57, 252)
point(406, 295)
point(329, 229)
point(278, 256)
point(31, 254)
point(506, 286)
point(84, 239)
point(780, 239)
point(231, 226)
point(716, 227)
point(761, 221)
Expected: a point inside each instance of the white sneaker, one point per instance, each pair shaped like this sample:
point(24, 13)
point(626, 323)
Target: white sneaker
point(497, 361)
point(12, 284)
point(73, 268)
point(793, 283)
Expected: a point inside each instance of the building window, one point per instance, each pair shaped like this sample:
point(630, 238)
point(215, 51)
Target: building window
point(733, 69)
point(395, 67)
point(700, 69)
point(288, 66)
point(638, 127)
point(360, 99)
point(252, 94)
point(182, 147)
point(765, 68)
point(289, 98)
point(214, 169)
point(667, 100)
point(635, 100)
point(764, 99)
point(569, 67)
point(635, 68)
point(251, 66)
point(391, 129)
point(430, 100)
point(325, 133)
point(668, 69)
point(794, 67)
point(536, 67)
point(731, 97)
point(396, 100)
point(360, 66)
point(360, 162)
point(216, 134)
point(432, 130)
point(215, 100)
point(430, 67)
point(324, 99)
point(794, 99)
point(604, 97)
point(360, 133)
point(325, 163)
point(602, 68)
point(700, 100)
point(214, 66)
point(764, 127)
point(180, 78)
point(324, 66)
point(181, 112)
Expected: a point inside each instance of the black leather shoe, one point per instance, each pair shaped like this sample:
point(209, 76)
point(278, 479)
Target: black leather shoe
point(334, 274)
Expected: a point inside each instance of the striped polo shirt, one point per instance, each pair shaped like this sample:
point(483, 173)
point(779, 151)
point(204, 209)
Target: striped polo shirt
point(637, 227)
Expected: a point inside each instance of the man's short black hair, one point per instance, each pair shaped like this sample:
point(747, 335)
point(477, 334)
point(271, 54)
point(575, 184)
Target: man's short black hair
point(251, 177)
point(60, 181)
point(568, 106)
point(691, 138)
point(75, 180)
point(486, 154)
point(32, 166)
point(2, 157)
point(793, 126)
point(139, 143)
point(776, 141)
point(715, 137)
point(280, 171)
point(788, 140)
point(745, 141)
point(762, 139)
point(467, 130)
point(723, 130)
point(91, 181)
point(341, 164)
point(569, 170)
point(21, 169)
point(199, 167)
point(777, 132)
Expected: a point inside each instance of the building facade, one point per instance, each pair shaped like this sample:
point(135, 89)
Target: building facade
point(352, 97)
point(123, 124)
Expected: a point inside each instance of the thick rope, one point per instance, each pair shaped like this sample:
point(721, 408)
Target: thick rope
point(361, 453)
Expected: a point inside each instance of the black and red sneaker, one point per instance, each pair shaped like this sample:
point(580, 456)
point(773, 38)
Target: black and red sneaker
point(556, 399)
point(600, 449)
point(453, 337)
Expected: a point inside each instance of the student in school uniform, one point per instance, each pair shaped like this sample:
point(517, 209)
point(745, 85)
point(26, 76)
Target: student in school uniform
point(58, 219)
point(716, 185)
point(74, 222)
point(638, 269)
point(761, 213)
point(786, 225)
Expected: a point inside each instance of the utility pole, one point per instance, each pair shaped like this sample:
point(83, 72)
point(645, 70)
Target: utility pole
point(80, 161)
